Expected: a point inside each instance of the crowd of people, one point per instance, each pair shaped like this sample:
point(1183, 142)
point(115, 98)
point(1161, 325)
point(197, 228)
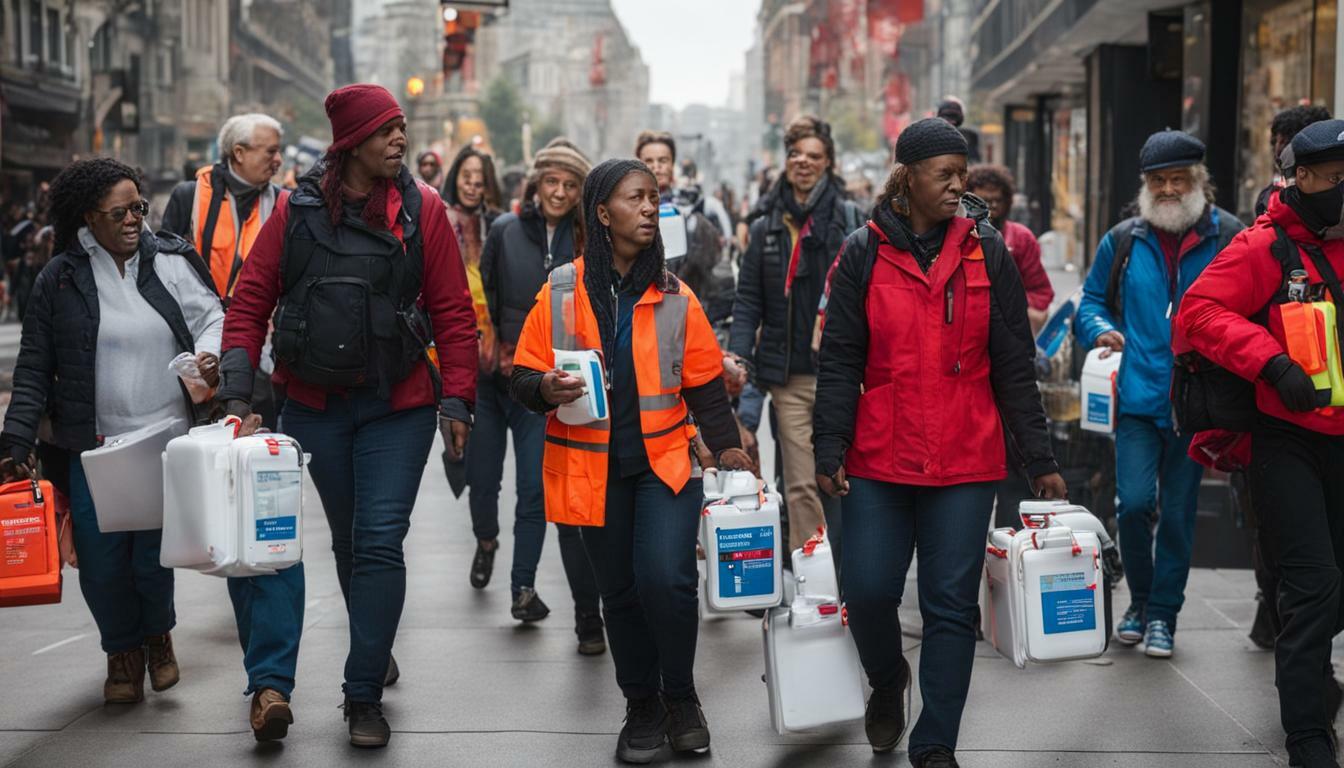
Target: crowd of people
point(375, 303)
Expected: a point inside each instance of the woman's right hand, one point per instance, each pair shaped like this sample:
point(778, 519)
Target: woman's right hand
point(836, 485)
point(560, 388)
point(250, 422)
point(13, 468)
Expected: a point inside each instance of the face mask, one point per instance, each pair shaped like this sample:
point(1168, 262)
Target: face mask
point(1325, 207)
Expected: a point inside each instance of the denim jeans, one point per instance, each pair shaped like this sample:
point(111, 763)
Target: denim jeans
point(496, 416)
point(269, 613)
point(644, 559)
point(129, 594)
point(884, 524)
point(367, 463)
point(1152, 473)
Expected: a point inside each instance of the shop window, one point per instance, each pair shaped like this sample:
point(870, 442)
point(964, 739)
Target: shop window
point(33, 56)
point(53, 36)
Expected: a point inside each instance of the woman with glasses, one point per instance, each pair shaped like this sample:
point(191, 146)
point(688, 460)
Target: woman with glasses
point(107, 315)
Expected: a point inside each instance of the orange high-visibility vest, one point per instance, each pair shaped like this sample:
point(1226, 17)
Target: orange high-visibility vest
point(674, 348)
point(230, 243)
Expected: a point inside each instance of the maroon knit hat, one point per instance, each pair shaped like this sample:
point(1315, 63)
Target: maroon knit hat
point(356, 111)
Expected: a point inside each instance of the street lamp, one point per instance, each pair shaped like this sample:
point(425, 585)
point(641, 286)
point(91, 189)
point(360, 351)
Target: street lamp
point(414, 87)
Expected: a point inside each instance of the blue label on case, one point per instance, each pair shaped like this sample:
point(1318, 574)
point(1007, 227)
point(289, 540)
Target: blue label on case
point(1067, 604)
point(271, 528)
point(746, 561)
point(1098, 408)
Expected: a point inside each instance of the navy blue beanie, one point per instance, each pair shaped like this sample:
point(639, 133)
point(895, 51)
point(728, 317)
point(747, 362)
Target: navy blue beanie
point(1170, 149)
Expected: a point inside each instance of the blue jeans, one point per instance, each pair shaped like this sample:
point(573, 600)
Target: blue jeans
point(269, 613)
point(1152, 471)
point(129, 594)
point(367, 464)
point(883, 524)
point(496, 416)
point(644, 559)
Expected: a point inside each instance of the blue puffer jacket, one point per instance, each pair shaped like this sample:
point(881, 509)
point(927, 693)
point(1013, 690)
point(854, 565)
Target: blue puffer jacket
point(1148, 304)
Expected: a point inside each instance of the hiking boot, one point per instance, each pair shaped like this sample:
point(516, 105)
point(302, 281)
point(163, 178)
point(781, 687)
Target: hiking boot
point(368, 727)
point(1312, 753)
point(528, 607)
point(125, 677)
point(393, 672)
point(1130, 629)
point(271, 717)
point(938, 757)
point(162, 664)
point(687, 729)
point(483, 564)
point(645, 730)
point(884, 720)
point(1158, 641)
point(592, 640)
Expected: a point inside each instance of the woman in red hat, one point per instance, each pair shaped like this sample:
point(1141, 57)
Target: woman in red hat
point(356, 269)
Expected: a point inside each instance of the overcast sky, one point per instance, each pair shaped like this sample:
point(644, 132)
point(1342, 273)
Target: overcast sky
point(690, 46)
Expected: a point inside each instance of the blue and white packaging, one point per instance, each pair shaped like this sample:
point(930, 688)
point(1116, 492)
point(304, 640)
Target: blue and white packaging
point(1099, 393)
point(739, 533)
point(591, 407)
point(672, 226)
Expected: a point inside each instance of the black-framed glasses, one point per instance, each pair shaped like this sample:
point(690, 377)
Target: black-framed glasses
point(140, 209)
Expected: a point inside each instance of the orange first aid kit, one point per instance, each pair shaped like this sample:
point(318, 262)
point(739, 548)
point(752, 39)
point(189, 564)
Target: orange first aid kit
point(30, 562)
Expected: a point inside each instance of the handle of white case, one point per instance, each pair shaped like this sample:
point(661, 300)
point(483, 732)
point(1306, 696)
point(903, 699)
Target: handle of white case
point(236, 422)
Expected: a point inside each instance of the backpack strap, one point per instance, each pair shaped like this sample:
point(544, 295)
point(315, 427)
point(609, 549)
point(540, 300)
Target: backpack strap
point(564, 317)
point(1122, 242)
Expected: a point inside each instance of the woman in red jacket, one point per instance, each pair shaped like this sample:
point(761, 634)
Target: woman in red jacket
point(355, 268)
point(926, 344)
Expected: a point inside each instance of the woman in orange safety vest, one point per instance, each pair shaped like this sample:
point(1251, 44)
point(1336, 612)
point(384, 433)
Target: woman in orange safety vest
point(627, 478)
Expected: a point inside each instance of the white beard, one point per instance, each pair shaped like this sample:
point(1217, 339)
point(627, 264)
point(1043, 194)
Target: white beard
point(1169, 216)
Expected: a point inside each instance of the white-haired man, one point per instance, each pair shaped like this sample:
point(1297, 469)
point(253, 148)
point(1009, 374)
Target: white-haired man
point(222, 210)
point(1142, 268)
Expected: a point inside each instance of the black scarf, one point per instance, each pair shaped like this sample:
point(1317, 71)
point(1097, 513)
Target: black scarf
point(924, 248)
point(820, 202)
point(245, 195)
point(598, 259)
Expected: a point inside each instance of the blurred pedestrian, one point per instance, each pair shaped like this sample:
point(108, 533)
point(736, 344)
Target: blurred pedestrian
point(926, 353)
point(953, 111)
point(994, 185)
point(1287, 124)
point(106, 317)
point(1141, 272)
point(1236, 314)
point(429, 167)
point(371, 275)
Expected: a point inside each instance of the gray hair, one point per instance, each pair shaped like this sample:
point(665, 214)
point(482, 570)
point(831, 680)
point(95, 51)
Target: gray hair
point(240, 129)
point(1199, 174)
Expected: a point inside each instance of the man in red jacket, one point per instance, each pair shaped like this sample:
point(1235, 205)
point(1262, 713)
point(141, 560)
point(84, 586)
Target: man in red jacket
point(994, 185)
point(356, 268)
point(1233, 314)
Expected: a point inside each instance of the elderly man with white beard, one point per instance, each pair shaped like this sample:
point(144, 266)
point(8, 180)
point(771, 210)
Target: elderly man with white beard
point(1142, 269)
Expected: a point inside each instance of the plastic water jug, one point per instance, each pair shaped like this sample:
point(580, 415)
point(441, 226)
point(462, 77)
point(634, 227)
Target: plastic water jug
point(739, 532)
point(812, 671)
point(672, 226)
point(1098, 384)
point(1045, 592)
point(232, 507)
point(814, 568)
point(585, 364)
point(30, 562)
point(125, 477)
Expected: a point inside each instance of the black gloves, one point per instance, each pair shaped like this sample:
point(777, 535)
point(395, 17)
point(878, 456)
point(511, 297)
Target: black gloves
point(1294, 386)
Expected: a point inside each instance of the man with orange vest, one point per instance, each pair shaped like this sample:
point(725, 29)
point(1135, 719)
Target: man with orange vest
point(626, 477)
point(222, 211)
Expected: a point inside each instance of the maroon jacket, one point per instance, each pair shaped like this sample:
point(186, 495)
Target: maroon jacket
point(1026, 253)
point(445, 297)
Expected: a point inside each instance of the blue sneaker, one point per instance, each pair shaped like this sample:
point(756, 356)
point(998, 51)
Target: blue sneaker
point(1158, 641)
point(1130, 629)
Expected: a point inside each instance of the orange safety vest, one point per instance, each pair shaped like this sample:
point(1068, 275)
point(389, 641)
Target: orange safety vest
point(674, 348)
point(230, 243)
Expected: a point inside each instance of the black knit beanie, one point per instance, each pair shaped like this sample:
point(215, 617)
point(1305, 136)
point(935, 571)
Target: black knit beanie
point(930, 137)
point(598, 258)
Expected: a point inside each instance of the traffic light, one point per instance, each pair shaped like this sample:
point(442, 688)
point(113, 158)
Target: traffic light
point(459, 32)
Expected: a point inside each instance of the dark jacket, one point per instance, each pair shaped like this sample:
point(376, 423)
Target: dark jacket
point(785, 323)
point(922, 402)
point(515, 263)
point(54, 373)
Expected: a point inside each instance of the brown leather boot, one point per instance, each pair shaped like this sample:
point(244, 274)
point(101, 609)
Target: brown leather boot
point(271, 716)
point(163, 671)
point(125, 677)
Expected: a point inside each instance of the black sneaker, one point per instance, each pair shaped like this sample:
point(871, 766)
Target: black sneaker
point(528, 607)
point(938, 757)
point(687, 730)
point(368, 727)
point(483, 564)
point(645, 730)
point(393, 672)
point(592, 640)
point(1312, 753)
point(884, 720)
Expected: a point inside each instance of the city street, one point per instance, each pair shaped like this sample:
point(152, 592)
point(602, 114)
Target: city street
point(477, 689)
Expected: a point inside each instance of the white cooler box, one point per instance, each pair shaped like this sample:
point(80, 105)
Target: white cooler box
point(1099, 392)
point(232, 507)
point(739, 532)
point(812, 669)
point(125, 477)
